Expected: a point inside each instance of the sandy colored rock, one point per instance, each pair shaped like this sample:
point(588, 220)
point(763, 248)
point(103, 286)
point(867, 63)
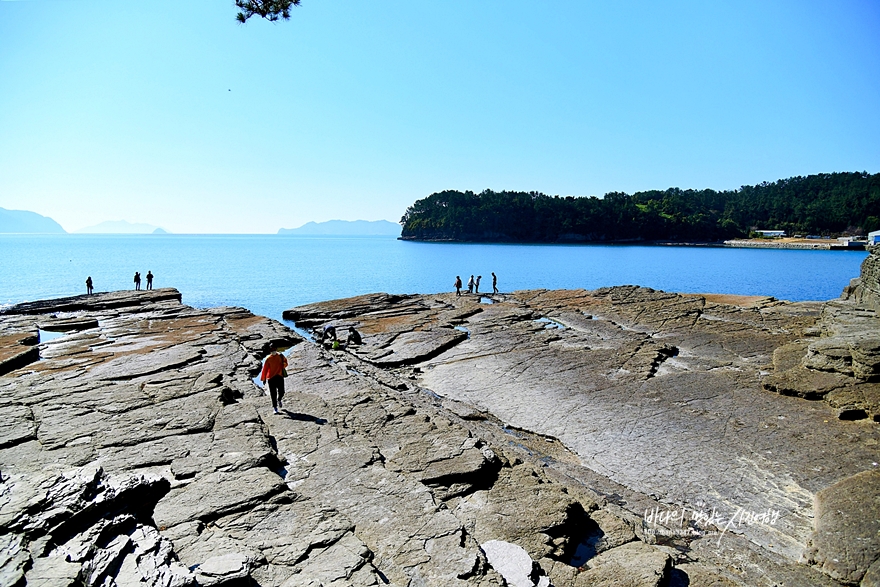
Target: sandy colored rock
point(846, 540)
point(16, 351)
point(216, 494)
point(632, 565)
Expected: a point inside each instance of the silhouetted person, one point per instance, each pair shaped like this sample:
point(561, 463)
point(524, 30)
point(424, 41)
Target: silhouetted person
point(354, 337)
point(273, 376)
point(494, 283)
point(471, 284)
point(89, 285)
point(477, 284)
point(458, 285)
point(329, 332)
point(149, 280)
point(137, 281)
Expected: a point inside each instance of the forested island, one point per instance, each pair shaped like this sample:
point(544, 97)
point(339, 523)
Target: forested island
point(822, 204)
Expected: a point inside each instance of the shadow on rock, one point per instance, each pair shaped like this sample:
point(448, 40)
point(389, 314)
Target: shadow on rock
point(303, 417)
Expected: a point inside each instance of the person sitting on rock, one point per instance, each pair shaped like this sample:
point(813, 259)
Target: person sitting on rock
point(272, 376)
point(354, 337)
point(329, 332)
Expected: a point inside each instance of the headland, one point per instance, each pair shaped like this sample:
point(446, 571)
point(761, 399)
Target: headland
point(619, 436)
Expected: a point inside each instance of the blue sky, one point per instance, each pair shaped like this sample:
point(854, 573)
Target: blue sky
point(173, 114)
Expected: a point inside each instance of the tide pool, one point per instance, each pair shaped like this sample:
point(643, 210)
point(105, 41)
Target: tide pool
point(271, 273)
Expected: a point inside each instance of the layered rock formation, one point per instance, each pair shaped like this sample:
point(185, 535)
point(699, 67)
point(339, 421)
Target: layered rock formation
point(136, 449)
point(663, 399)
point(865, 289)
point(621, 436)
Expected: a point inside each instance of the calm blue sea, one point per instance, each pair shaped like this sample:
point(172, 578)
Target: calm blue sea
point(270, 273)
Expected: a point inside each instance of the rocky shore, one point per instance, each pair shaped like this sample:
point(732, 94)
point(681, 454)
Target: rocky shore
point(794, 243)
point(621, 436)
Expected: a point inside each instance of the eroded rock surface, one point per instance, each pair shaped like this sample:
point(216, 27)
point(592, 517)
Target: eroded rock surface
point(659, 402)
point(621, 436)
point(136, 449)
point(846, 542)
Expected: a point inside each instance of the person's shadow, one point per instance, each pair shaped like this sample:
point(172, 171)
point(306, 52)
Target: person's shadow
point(303, 417)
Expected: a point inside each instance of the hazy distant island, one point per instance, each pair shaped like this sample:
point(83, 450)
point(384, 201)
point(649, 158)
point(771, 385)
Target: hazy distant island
point(23, 221)
point(346, 228)
point(822, 204)
point(122, 227)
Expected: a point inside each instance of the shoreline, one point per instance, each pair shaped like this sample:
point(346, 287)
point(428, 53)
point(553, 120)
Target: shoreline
point(800, 244)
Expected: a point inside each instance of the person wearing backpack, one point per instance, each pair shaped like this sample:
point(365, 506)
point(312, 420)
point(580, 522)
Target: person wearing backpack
point(273, 374)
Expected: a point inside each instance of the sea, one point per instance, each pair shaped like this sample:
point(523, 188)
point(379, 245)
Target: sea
point(268, 274)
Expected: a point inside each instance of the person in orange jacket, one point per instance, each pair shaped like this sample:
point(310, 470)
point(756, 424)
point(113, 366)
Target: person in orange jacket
point(273, 376)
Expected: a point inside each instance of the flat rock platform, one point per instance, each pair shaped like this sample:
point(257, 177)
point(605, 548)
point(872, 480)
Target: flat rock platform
point(621, 436)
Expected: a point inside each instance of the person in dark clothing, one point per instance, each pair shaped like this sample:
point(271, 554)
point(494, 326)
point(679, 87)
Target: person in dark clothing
point(272, 376)
point(354, 337)
point(329, 332)
point(494, 283)
point(89, 285)
point(149, 280)
point(458, 285)
point(137, 281)
point(477, 284)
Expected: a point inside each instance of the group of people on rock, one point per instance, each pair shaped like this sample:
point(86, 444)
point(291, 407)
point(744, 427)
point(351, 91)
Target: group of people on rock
point(137, 280)
point(473, 285)
point(329, 333)
point(90, 285)
point(275, 366)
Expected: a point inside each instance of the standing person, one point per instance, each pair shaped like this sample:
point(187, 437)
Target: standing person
point(149, 280)
point(477, 284)
point(137, 280)
point(458, 285)
point(494, 283)
point(471, 284)
point(89, 285)
point(273, 376)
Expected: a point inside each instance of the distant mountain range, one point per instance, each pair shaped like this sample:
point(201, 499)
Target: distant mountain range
point(122, 227)
point(346, 228)
point(22, 221)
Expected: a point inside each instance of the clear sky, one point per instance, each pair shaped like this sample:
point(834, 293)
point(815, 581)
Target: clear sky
point(173, 114)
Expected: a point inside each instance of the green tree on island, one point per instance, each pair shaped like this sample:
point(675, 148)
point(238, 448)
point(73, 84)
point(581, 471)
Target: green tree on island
point(827, 203)
point(269, 9)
